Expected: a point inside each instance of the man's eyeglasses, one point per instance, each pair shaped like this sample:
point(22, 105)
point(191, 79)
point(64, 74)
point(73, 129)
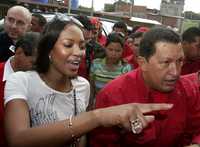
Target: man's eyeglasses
point(18, 23)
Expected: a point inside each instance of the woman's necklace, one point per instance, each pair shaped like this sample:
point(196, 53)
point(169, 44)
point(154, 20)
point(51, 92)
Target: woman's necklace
point(66, 88)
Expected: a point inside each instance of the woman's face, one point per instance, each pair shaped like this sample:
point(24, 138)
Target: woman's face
point(66, 54)
point(114, 51)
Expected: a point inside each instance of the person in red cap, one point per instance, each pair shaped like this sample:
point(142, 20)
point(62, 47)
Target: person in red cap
point(142, 29)
point(97, 32)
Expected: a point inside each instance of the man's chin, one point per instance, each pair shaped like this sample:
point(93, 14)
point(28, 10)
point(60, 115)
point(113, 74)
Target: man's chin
point(167, 89)
point(13, 37)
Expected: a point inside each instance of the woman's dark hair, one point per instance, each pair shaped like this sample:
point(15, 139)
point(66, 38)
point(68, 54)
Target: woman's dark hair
point(28, 43)
point(158, 34)
point(115, 37)
point(48, 39)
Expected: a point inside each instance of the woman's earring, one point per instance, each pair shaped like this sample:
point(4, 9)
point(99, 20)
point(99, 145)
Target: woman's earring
point(50, 59)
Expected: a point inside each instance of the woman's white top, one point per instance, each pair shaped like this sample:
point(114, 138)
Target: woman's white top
point(46, 105)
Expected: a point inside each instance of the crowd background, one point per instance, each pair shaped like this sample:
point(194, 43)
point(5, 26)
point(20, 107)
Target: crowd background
point(75, 67)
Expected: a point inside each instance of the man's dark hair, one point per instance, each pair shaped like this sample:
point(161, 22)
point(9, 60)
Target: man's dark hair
point(121, 25)
point(41, 19)
point(155, 35)
point(28, 43)
point(190, 34)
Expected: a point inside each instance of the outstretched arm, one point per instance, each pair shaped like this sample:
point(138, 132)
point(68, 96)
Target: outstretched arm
point(20, 133)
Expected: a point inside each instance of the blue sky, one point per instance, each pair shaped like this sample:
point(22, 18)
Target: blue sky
point(190, 5)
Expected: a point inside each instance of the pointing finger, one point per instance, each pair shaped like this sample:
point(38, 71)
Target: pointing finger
point(145, 108)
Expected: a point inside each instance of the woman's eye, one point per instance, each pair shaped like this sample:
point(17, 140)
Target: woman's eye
point(68, 45)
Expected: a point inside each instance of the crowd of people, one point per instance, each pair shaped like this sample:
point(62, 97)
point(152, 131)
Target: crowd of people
point(66, 83)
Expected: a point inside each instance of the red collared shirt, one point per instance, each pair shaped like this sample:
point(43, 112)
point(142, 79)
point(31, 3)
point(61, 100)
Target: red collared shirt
point(172, 128)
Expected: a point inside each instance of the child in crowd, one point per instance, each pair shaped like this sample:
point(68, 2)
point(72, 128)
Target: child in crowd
point(106, 69)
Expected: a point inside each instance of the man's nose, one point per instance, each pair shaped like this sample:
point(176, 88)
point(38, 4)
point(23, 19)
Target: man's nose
point(174, 69)
point(14, 24)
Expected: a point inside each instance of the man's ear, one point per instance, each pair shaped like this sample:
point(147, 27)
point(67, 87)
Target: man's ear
point(142, 62)
point(29, 27)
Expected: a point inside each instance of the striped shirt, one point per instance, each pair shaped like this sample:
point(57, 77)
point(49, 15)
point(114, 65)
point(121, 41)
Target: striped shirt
point(101, 74)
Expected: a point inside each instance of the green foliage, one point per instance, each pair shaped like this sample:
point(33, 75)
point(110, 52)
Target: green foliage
point(84, 8)
point(109, 8)
point(190, 23)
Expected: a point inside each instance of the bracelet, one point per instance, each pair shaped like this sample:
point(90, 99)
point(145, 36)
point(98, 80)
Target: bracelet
point(70, 127)
point(74, 139)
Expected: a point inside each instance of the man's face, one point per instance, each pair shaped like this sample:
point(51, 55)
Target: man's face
point(35, 27)
point(162, 70)
point(16, 24)
point(134, 44)
point(192, 50)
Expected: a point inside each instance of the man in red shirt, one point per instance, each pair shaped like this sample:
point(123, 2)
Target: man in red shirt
point(191, 47)
point(194, 78)
point(157, 80)
point(97, 32)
